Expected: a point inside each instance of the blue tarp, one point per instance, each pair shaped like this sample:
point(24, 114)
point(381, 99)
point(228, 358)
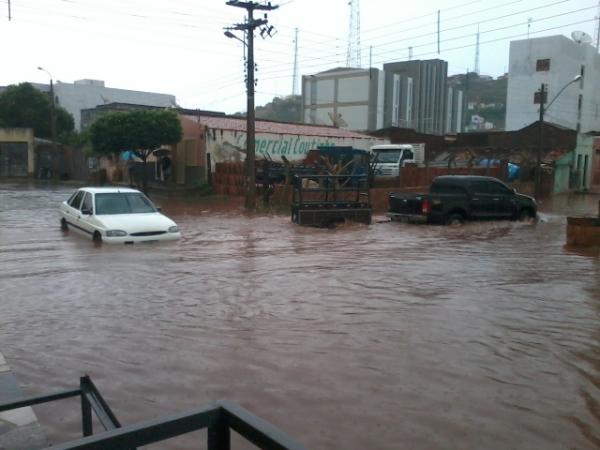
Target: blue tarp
point(513, 169)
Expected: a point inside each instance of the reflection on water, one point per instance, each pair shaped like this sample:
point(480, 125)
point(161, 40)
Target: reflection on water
point(384, 336)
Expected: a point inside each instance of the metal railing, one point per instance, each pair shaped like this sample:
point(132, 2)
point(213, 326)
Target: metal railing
point(220, 418)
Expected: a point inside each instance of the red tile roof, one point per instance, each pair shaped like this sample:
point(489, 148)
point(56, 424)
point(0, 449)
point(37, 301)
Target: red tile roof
point(265, 126)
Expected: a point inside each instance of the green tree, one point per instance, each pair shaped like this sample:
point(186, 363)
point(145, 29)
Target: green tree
point(141, 132)
point(24, 106)
point(282, 109)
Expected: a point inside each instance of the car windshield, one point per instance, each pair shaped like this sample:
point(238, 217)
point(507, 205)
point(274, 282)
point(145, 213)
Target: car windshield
point(388, 157)
point(123, 203)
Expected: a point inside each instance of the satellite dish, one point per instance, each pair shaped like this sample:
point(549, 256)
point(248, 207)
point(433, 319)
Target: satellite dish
point(581, 37)
point(336, 120)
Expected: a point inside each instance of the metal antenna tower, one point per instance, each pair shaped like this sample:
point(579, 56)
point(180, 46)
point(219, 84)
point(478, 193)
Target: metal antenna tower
point(477, 53)
point(596, 29)
point(295, 80)
point(353, 58)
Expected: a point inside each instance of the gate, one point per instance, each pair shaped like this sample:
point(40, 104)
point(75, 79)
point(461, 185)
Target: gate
point(13, 159)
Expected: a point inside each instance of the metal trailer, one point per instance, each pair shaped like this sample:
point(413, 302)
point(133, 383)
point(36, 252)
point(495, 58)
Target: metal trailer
point(324, 200)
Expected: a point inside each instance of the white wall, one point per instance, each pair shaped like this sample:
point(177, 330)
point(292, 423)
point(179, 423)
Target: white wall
point(230, 146)
point(75, 97)
point(566, 58)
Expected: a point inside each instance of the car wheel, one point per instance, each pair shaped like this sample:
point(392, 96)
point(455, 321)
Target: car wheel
point(455, 220)
point(526, 215)
point(97, 237)
point(63, 225)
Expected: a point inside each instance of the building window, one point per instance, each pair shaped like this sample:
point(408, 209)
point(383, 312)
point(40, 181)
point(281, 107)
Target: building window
point(542, 65)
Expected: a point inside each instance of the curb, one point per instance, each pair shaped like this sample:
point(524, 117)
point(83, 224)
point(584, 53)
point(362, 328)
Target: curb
point(19, 428)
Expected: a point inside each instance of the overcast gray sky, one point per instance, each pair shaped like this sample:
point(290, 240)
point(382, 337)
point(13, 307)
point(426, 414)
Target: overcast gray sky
point(178, 46)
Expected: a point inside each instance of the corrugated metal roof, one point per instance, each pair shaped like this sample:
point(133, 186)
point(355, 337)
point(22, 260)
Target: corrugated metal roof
point(264, 126)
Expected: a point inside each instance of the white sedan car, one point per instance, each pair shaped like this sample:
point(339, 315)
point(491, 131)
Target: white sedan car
point(116, 215)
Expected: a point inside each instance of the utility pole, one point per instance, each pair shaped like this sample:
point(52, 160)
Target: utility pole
point(52, 118)
point(248, 27)
point(538, 162)
point(466, 102)
point(9, 13)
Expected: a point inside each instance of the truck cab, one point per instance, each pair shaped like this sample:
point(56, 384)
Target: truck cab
point(390, 158)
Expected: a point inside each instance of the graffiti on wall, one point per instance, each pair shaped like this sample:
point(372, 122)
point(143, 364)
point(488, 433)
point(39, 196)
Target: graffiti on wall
point(230, 146)
point(294, 146)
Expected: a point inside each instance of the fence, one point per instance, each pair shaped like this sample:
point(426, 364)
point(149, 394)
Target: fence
point(229, 178)
point(219, 418)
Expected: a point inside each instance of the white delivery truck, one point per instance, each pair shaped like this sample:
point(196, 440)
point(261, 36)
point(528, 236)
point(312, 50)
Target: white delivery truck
point(389, 158)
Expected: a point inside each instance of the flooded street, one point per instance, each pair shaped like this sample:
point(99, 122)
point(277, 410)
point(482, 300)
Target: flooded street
point(386, 336)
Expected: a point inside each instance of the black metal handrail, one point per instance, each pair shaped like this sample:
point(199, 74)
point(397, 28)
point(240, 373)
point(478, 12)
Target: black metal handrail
point(219, 417)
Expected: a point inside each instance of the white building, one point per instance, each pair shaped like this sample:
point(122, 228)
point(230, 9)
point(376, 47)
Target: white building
point(554, 61)
point(345, 98)
point(84, 94)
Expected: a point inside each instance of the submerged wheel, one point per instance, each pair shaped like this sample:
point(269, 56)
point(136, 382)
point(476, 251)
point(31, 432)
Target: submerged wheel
point(526, 215)
point(455, 220)
point(63, 225)
point(97, 237)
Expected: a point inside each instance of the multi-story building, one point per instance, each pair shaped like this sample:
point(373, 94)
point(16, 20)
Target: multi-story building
point(85, 94)
point(554, 61)
point(416, 95)
point(344, 97)
point(411, 94)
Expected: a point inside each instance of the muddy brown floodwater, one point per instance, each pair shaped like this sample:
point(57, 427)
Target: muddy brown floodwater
point(386, 336)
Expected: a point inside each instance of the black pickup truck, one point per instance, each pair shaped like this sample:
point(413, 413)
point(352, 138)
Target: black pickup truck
point(453, 199)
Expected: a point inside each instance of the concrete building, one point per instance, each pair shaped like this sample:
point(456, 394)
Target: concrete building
point(410, 94)
point(344, 97)
point(17, 152)
point(454, 110)
point(554, 61)
point(416, 95)
point(85, 94)
point(89, 115)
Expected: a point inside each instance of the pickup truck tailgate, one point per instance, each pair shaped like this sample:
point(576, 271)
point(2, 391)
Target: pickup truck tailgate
point(409, 204)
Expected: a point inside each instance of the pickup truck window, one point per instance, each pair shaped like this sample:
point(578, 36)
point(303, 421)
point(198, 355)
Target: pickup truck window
point(489, 187)
point(443, 188)
point(480, 187)
point(499, 189)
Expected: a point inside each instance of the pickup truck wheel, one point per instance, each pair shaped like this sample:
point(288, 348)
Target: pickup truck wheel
point(455, 220)
point(63, 225)
point(97, 237)
point(526, 215)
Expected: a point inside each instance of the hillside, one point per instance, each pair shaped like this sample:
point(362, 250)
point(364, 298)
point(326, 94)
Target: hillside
point(486, 96)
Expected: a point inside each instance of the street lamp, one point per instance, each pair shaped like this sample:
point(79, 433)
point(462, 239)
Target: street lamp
point(52, 112)
point(543, 93)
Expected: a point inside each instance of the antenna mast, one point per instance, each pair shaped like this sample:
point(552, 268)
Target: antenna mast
point(477, 53)
point(596, 30)
point(295, 80)
point(353, 56)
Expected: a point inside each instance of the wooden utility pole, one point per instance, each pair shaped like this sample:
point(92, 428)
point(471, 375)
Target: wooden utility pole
point(248, 27)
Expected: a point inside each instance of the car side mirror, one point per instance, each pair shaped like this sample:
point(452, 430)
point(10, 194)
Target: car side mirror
point(86, 211)
point(159, 209)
